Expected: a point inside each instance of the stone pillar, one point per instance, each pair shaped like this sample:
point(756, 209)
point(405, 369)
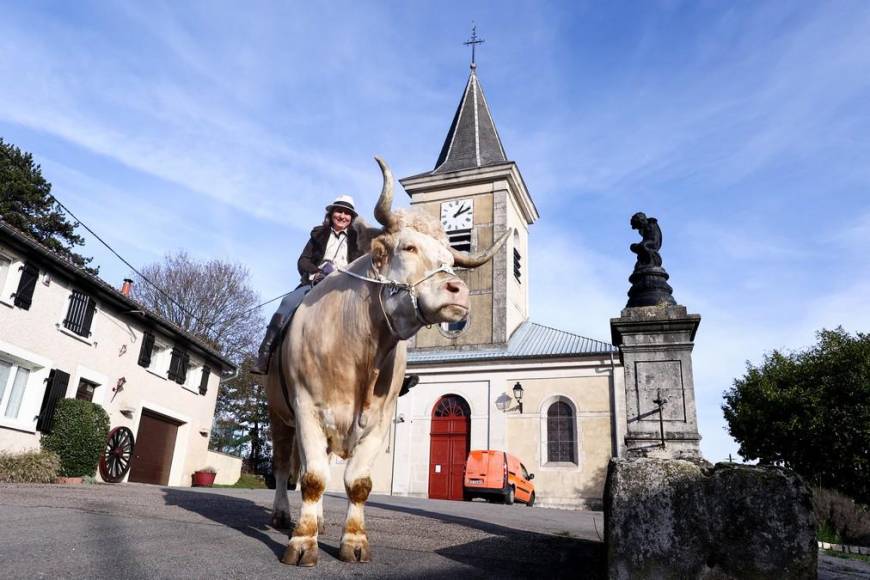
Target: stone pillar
point(655, 345)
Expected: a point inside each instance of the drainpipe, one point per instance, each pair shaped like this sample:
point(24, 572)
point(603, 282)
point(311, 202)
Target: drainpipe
point(395, 429)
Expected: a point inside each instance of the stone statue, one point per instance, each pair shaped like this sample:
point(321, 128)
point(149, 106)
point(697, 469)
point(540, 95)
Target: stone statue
point(648, 249)
point(649, 286)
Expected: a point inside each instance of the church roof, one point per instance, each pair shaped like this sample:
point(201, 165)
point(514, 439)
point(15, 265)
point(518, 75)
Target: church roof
point(473, 140)
point(531, 340)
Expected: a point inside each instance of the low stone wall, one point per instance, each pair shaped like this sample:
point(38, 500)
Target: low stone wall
point(228, 467)
point(678, 519)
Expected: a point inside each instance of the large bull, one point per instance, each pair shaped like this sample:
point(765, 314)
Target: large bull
point(339, 368)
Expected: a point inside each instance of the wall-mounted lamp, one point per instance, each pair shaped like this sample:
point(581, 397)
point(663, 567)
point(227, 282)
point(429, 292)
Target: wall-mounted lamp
point(119, 386)
point(518, 395)
point(400, 418)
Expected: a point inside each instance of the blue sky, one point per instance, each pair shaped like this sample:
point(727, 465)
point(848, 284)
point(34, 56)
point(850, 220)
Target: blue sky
point(223, 130)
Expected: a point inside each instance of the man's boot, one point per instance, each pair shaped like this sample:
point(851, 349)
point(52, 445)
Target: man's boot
point(265, 352)
point(409, 383)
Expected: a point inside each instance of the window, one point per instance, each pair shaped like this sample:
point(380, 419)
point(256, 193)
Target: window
point(452, 329)
point(460, 240)
point(5, 264)
point(80, 314)
point(518, 263)
point(560, 433)
point(86, 390)
point(13, 381)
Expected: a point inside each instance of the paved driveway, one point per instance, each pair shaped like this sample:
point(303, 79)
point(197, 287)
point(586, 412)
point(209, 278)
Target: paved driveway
point(141, 531)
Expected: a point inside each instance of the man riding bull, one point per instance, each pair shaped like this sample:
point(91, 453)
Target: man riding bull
point(333, 244)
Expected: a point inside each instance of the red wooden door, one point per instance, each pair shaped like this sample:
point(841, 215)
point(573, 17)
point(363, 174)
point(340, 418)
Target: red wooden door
point(448, 449)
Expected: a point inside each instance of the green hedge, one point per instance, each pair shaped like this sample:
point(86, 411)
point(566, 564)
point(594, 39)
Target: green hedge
point(78, 436)
point(29, 467)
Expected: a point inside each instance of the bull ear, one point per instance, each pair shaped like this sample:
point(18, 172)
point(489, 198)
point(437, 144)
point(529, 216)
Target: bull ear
point(464, 260)
point(379, 252)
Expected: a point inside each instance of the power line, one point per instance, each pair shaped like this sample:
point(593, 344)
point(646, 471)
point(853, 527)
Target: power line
point(120, 257)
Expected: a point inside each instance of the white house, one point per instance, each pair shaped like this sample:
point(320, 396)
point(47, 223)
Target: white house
point(66, 333)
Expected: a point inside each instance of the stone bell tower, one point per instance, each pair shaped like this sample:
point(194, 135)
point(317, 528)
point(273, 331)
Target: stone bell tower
point(477, 194)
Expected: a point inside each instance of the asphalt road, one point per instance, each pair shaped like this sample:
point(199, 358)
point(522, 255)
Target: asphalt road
point(141, 531)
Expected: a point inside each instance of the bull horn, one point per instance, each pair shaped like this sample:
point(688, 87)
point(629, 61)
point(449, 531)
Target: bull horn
point(464, 260)
point(383, 209)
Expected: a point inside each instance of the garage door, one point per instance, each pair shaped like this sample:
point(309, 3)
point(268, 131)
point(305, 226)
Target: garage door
point(155, 443)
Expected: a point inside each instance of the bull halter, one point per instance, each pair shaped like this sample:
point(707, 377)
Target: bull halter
point(394, 287)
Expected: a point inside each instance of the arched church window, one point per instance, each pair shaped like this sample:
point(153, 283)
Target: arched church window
point(451, 406)
point(453, 329)
point(518, 260)
point(561, 442)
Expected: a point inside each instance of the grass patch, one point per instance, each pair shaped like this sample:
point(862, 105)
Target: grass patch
point(247, 481)
point(845, 556)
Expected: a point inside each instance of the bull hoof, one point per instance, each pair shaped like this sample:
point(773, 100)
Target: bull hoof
point(281, 520)
point(354, 550)
point(301, 552)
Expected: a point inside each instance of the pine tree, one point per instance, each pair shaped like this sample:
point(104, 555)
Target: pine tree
point(26, 204)
point(242, 424)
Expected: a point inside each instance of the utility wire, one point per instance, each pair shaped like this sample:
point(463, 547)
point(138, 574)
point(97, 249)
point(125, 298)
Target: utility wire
point(120, 257)
point(155, 286)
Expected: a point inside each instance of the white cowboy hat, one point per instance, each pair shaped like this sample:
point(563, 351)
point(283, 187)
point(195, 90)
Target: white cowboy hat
point(344, 202)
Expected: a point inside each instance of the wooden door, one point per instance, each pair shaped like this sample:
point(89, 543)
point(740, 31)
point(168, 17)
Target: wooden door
point(448, 448)
point(152, 455)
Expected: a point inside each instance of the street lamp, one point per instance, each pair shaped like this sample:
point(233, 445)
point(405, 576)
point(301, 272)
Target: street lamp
point(518, 395)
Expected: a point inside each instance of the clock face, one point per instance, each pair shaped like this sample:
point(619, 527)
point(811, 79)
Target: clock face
point(457, 214)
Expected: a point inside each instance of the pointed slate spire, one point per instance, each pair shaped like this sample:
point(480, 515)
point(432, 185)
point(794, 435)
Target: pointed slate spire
point(472, 140)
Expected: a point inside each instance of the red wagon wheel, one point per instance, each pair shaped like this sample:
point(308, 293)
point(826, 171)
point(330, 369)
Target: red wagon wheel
point(115, 460)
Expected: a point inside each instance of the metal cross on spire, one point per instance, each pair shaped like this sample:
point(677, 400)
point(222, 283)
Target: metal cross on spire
point(473, 41)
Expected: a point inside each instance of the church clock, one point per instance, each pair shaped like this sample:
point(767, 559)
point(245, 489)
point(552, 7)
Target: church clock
point(457, 214)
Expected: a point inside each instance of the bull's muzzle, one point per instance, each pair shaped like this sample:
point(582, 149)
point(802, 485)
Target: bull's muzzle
point(456, 296)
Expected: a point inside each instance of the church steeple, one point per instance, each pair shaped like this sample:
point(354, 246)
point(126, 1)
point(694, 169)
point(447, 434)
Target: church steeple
point(473, 140)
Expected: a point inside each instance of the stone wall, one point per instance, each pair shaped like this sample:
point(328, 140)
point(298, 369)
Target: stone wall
point(678, 519)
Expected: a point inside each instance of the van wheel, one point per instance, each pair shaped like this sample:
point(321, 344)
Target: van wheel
point(509, 496)
point(531, 501)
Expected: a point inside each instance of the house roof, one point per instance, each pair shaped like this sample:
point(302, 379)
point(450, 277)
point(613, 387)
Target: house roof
point(106, 291)
point(529, 341)
point(472, 140)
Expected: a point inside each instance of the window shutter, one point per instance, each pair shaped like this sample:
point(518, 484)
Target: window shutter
point(89, 317)
point(203, 383)
point(54, 391)
point(182, 371)
point(26, 286)
point(174, 365)
point(146, 349)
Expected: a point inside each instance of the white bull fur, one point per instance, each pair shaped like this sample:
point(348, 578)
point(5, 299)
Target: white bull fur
point(344, 368)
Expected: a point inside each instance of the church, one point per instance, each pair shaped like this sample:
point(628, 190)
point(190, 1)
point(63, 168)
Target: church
point(498, 381)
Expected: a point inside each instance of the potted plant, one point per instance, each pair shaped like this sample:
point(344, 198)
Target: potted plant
point(204, 477)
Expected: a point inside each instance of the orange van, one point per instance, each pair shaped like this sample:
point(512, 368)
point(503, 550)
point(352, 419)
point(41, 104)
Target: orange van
point(496, 475)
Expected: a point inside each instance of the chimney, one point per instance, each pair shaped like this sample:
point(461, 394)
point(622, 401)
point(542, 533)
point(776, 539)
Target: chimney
point(126, 287)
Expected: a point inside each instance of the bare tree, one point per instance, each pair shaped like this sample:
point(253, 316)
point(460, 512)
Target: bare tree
point(212, 300)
